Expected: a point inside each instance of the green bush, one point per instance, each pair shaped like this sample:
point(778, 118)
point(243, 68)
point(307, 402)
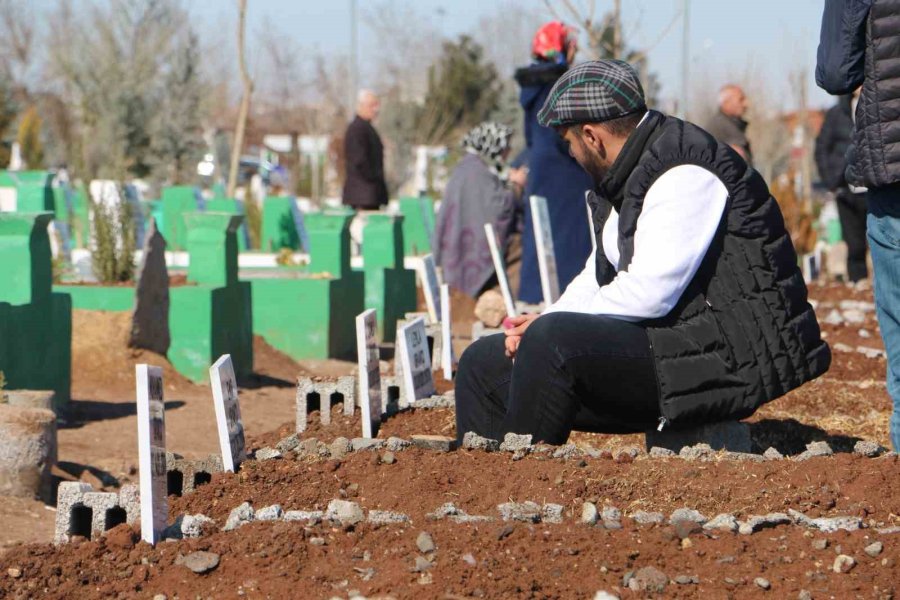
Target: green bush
point(112, 253)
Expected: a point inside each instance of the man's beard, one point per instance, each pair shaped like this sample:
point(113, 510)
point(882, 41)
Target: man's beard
point(595, 166)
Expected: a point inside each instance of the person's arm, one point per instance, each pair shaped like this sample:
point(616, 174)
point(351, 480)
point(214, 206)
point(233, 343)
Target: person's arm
point(840, 60)
point(681, 215)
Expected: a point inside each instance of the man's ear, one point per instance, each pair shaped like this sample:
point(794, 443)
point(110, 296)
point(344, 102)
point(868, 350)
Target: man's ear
point(592, 138)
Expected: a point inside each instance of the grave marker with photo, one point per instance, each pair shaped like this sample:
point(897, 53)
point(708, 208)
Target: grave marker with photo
point(543, 237)
point(228, 413)
point(418, 380)
point(369, 373)
point(151, 417)
point(500, 269)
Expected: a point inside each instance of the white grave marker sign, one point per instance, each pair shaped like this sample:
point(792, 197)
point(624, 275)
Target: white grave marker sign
point(418, 379)
point(447, 347)
point(500, 268)
point(543, 237)
point(369, 373)
point(228, 413)
point(431, 287)
point(151, 414)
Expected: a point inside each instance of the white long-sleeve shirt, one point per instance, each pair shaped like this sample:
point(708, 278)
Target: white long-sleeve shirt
point(681, 213)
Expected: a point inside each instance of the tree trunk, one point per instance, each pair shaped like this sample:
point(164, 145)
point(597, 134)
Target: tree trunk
point(245, 104)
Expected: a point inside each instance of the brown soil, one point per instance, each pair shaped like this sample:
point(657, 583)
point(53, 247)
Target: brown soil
point(278, 560)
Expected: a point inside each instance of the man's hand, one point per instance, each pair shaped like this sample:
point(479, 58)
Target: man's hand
point(516, 329)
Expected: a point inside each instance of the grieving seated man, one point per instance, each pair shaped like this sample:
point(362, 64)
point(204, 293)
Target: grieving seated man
point(692, 308)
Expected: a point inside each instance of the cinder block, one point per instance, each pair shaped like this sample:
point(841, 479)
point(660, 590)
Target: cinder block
point(184, 476)
point(725, 435)
point(68, 495)
point(306, 387)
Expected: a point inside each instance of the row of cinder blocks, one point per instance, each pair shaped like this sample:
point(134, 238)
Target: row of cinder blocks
point(346, 390)
point(82, 511)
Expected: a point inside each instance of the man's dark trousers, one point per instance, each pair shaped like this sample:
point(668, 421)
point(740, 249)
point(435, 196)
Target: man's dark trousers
point(852, 214)
point(572, 371)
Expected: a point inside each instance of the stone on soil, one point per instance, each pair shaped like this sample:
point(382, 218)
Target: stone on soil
point(386, 517)
point(361, 443)
point(648, 579)
point(722, 522)
point(687, 514)
point(552, 513)
point(814, 450)
point(270, 513)
point(395, 444)
point(473, 441)
point(843, 563)
point(865, 448)
point(241, 515)
point(193, 526)
point(513, 442)
point(528, 512)
point(425, 543)
point(200, 562)
point(643, 517)
point(438, 443)
point(874, 549)
point(267, 453)
point(344, 512)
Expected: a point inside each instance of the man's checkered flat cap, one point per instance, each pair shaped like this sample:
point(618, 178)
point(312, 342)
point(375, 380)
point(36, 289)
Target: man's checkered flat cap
point(592, 92)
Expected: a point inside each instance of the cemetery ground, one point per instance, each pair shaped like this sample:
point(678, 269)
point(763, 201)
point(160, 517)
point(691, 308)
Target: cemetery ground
point(418, 520)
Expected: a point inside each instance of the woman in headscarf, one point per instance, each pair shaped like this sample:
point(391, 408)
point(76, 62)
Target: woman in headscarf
point(552, 173)
point(477, 193)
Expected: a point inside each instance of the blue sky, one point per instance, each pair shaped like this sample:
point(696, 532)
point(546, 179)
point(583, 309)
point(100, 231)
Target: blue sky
point(774, 36)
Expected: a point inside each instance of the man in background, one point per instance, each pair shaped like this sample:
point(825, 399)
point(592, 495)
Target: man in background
point(364, 187)
point(831, 149)
point(858, 47)
point(728, 124)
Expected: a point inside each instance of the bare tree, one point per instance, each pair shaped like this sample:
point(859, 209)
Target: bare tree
point(247, 84)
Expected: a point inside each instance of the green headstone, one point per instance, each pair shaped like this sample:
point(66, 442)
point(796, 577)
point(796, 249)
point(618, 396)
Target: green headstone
point(329, 241)
point(212, 245)
point(25, 258)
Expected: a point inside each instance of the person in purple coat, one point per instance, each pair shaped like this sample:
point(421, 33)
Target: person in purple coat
point(552, 172)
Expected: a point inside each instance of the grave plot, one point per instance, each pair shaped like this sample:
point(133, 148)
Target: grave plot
point(810, 512)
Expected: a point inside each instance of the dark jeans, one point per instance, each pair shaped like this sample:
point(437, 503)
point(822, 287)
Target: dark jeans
point(572, 371)
point(852, 214)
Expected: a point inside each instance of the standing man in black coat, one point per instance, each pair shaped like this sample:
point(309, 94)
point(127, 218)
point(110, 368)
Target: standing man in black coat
point(831, 150)
point(859, 47)
point(365, 187)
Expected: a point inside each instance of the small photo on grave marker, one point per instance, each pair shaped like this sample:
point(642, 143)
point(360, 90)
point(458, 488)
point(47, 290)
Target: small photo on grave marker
point(228, 413)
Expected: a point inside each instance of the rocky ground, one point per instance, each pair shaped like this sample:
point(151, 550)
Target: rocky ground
point(814, 513)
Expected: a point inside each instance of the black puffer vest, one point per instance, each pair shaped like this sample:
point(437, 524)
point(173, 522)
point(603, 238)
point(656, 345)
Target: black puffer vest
point(874, 158)
point(742, 333)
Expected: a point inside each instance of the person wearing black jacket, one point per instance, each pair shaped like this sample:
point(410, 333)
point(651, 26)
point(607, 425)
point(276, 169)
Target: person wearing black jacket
point(364, 187)
point(859, 47)
point(831, 149)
